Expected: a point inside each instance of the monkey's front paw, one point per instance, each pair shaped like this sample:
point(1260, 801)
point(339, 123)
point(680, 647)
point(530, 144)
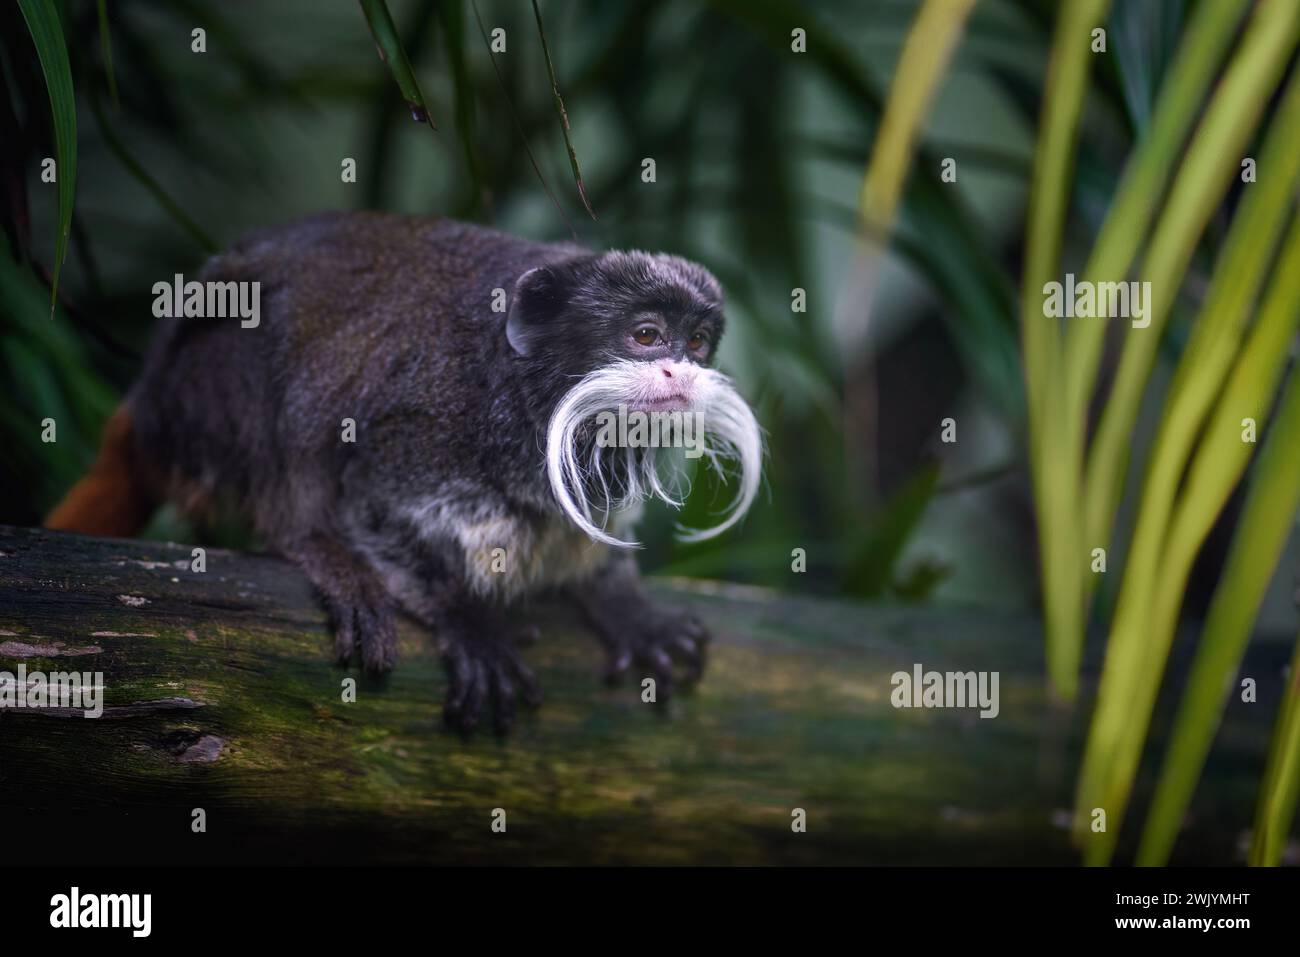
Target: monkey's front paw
point(658, 645)
point(486, 674)
point(369, 625)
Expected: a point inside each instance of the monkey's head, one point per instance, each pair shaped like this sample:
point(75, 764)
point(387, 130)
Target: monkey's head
point(635, 333)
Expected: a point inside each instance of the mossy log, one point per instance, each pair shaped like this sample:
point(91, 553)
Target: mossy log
point(221, 695)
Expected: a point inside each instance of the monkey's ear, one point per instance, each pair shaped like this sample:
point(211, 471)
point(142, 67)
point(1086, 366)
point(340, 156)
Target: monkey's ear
point(539, 295)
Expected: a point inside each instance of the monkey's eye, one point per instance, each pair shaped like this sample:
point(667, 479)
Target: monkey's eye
point(697, 342)
point(646, 335)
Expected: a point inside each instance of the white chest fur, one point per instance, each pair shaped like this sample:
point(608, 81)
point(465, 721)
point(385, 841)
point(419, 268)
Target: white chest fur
point(505, 556)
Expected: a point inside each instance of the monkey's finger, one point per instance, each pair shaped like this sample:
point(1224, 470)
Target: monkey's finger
point(661, 667)
point(694, 629)
point(476, 700)
point(660, 659)
point(378, 641)
point(688, 653)
point(703, 648)
point(503, 700)
point(344, 646)
point(344, 634)
point(684, 649)
point(529, 688)
point(459, 676)
point(617, 663)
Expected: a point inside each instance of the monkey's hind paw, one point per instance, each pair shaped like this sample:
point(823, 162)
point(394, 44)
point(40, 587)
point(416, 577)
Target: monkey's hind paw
point(659, 645)
point(486, 674)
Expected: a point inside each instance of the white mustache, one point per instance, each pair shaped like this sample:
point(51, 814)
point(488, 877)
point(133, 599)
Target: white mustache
point(732, 437)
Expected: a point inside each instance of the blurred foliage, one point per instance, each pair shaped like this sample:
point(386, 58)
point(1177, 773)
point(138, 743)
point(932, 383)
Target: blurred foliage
point(47, 36)
point(1207, 115)
point(1110, 166)
point(207, 145)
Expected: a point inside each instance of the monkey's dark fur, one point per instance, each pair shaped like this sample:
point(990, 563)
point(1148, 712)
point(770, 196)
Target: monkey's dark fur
point(387, 321)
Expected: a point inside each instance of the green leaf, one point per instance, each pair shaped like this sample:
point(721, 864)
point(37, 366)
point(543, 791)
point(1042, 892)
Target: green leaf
point(1228, 123)
point(1164, 548)
point(1147, 173)
point(519, 126)
point(1280, 788)
point(1143, 36)
point(106, 50)
point(392, 53)
point(47, 34)
point(921, 581)
point(563, 113)
point(51, 376)
point(141, 175)
point(1219, 462)
point(967, 270)
point(1256, 546)
point(872, 570)
point(453, 34)
point(1058, 542)
point(922, 64)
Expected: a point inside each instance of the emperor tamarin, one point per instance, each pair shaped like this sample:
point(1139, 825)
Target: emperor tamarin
point(414, 449)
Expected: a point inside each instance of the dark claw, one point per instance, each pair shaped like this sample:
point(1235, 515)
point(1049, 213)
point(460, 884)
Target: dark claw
point(660, 669)
point(367, 625)
point(696, 631)
point(691, 654)
point(617, 664)
point(529, 689)
point(460, 675)
point(478, 697)
point(659, 660)
point(378, 641)
point(663, 645)
point(503, 701)
point(686, 649)
point(344, 642)
point(485, 674)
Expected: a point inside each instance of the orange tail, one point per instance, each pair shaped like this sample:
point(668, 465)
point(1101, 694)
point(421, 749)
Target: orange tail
point(115, 500)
